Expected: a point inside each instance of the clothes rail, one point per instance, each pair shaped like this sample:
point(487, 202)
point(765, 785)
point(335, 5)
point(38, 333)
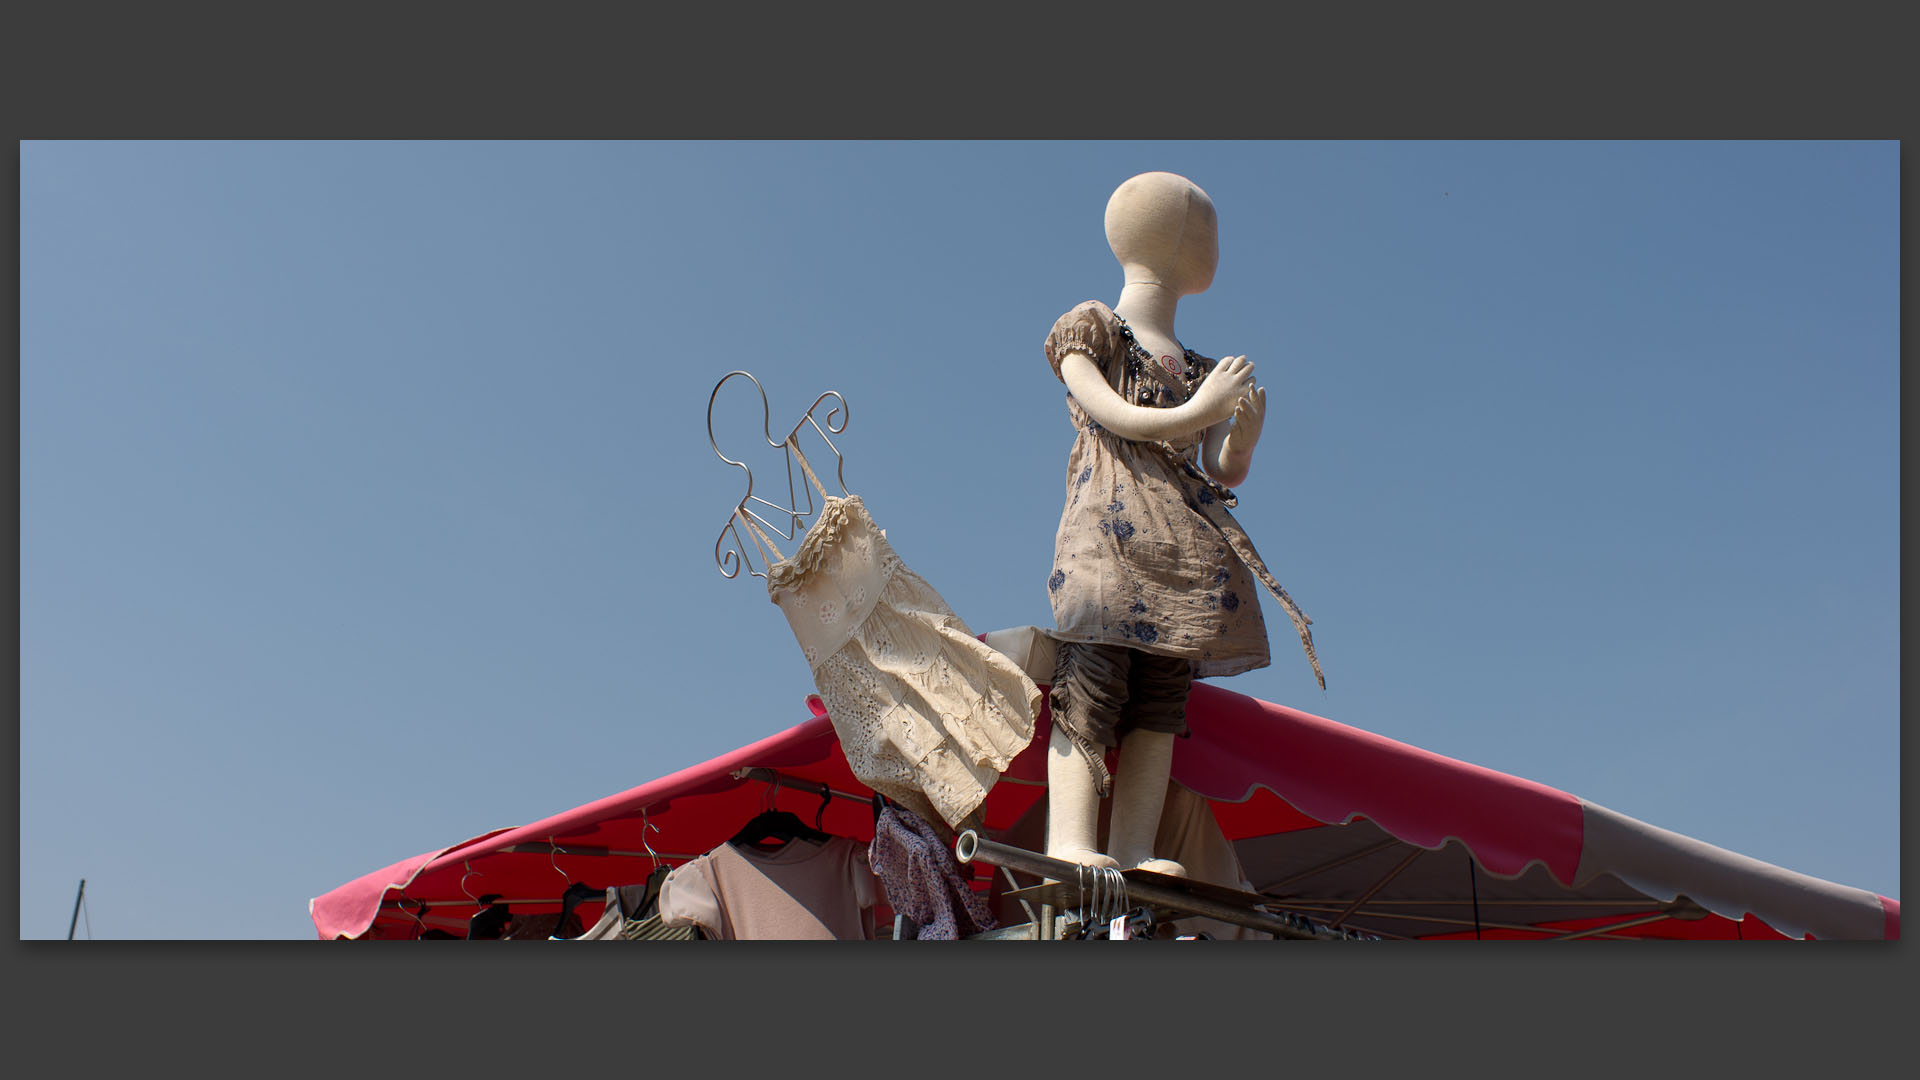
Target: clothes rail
point(1170, 897)
point(811, 787)
point(441, 922)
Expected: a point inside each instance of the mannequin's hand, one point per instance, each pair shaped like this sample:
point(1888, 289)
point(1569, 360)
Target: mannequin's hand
point(1228, 454)
point(1249, 417)
point(1216, 397)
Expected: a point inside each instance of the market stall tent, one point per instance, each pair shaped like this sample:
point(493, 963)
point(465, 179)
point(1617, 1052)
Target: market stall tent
point(1332, 822)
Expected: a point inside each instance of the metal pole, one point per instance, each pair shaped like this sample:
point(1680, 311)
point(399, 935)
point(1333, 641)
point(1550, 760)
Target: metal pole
point(970, 846)
point(1611, 927)
point(811, 787)
point(76, 908)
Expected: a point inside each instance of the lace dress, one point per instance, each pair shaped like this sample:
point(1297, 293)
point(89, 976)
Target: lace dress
point(927, 714)
point(1147, 554)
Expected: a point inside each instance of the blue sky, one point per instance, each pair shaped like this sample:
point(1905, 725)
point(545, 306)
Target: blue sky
point(366, 500)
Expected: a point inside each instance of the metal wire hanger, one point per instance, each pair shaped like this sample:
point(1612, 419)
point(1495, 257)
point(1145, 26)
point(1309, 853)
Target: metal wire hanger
point(762, 527)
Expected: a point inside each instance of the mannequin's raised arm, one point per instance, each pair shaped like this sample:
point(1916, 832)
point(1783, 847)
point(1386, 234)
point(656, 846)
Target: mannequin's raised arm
point(1227, 451)
point(1212, 402)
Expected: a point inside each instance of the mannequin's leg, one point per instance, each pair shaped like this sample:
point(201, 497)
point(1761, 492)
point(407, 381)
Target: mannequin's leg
point(1157, 689)
point(1139, 793)
point(1073, 805)
point(1089, 687)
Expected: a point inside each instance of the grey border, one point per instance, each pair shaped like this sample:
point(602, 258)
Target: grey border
point(493, 70)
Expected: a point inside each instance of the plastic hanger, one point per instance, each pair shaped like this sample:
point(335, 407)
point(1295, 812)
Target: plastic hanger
point(826, 797)
point(650, 898)
point(491, 921)
point(772, 824)
point(782, 825)
point(575, 893)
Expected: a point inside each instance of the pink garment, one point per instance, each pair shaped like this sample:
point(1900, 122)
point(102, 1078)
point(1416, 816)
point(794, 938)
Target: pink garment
point(800, 890)
point(923, 880)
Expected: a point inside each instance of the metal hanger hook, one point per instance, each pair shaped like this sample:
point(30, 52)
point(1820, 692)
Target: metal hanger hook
point(419, 924)
point(644, 826)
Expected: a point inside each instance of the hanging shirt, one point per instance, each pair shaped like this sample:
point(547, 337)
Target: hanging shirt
point(632, 914)
point(799, 890)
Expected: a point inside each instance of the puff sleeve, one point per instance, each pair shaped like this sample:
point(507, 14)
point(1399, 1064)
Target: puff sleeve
point(1091, 328)
point(687, 899)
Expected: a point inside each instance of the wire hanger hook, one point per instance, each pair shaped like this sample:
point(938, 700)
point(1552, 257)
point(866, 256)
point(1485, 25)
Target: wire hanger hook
point(644, 826)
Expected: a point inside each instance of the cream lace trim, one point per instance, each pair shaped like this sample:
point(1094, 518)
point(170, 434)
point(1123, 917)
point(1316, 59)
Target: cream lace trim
point(822, 537)
point(1061, 349)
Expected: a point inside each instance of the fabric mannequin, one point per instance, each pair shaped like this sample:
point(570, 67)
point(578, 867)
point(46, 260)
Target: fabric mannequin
point(1147, 598)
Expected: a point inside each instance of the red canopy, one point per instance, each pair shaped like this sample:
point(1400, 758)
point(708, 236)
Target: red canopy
point(1330, 820)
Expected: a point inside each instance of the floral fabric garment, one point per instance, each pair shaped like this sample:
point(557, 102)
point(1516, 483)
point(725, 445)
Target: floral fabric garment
point(1147, 554)
point(927, 714)
point(922, 880)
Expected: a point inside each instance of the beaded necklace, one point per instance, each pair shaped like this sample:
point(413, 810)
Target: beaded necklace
point(1139, 360)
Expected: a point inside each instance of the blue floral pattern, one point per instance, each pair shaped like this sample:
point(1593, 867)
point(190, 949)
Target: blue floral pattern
point(1159, 563)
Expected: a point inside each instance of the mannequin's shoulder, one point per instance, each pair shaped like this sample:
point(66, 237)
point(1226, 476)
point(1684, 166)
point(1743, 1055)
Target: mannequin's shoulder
point(1089, 326)
point(1089, 319)
point(1092, 310)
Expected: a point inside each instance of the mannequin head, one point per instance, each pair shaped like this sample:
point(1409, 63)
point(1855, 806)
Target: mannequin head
point(1162, 228)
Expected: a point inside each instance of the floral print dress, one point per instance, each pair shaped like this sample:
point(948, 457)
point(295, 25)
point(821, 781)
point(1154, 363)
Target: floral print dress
point(1148, 554)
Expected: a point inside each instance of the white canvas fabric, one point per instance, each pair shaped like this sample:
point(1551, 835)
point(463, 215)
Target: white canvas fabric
point(1664, 865)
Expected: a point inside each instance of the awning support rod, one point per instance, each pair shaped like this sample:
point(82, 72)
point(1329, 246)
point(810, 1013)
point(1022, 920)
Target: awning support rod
point(1331, 864)
point(971, 846)
point(531, 901)
point(1547, 932)
point(813, 787)
point(1340, 919)
point(1613, 926)
point(590, 851)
